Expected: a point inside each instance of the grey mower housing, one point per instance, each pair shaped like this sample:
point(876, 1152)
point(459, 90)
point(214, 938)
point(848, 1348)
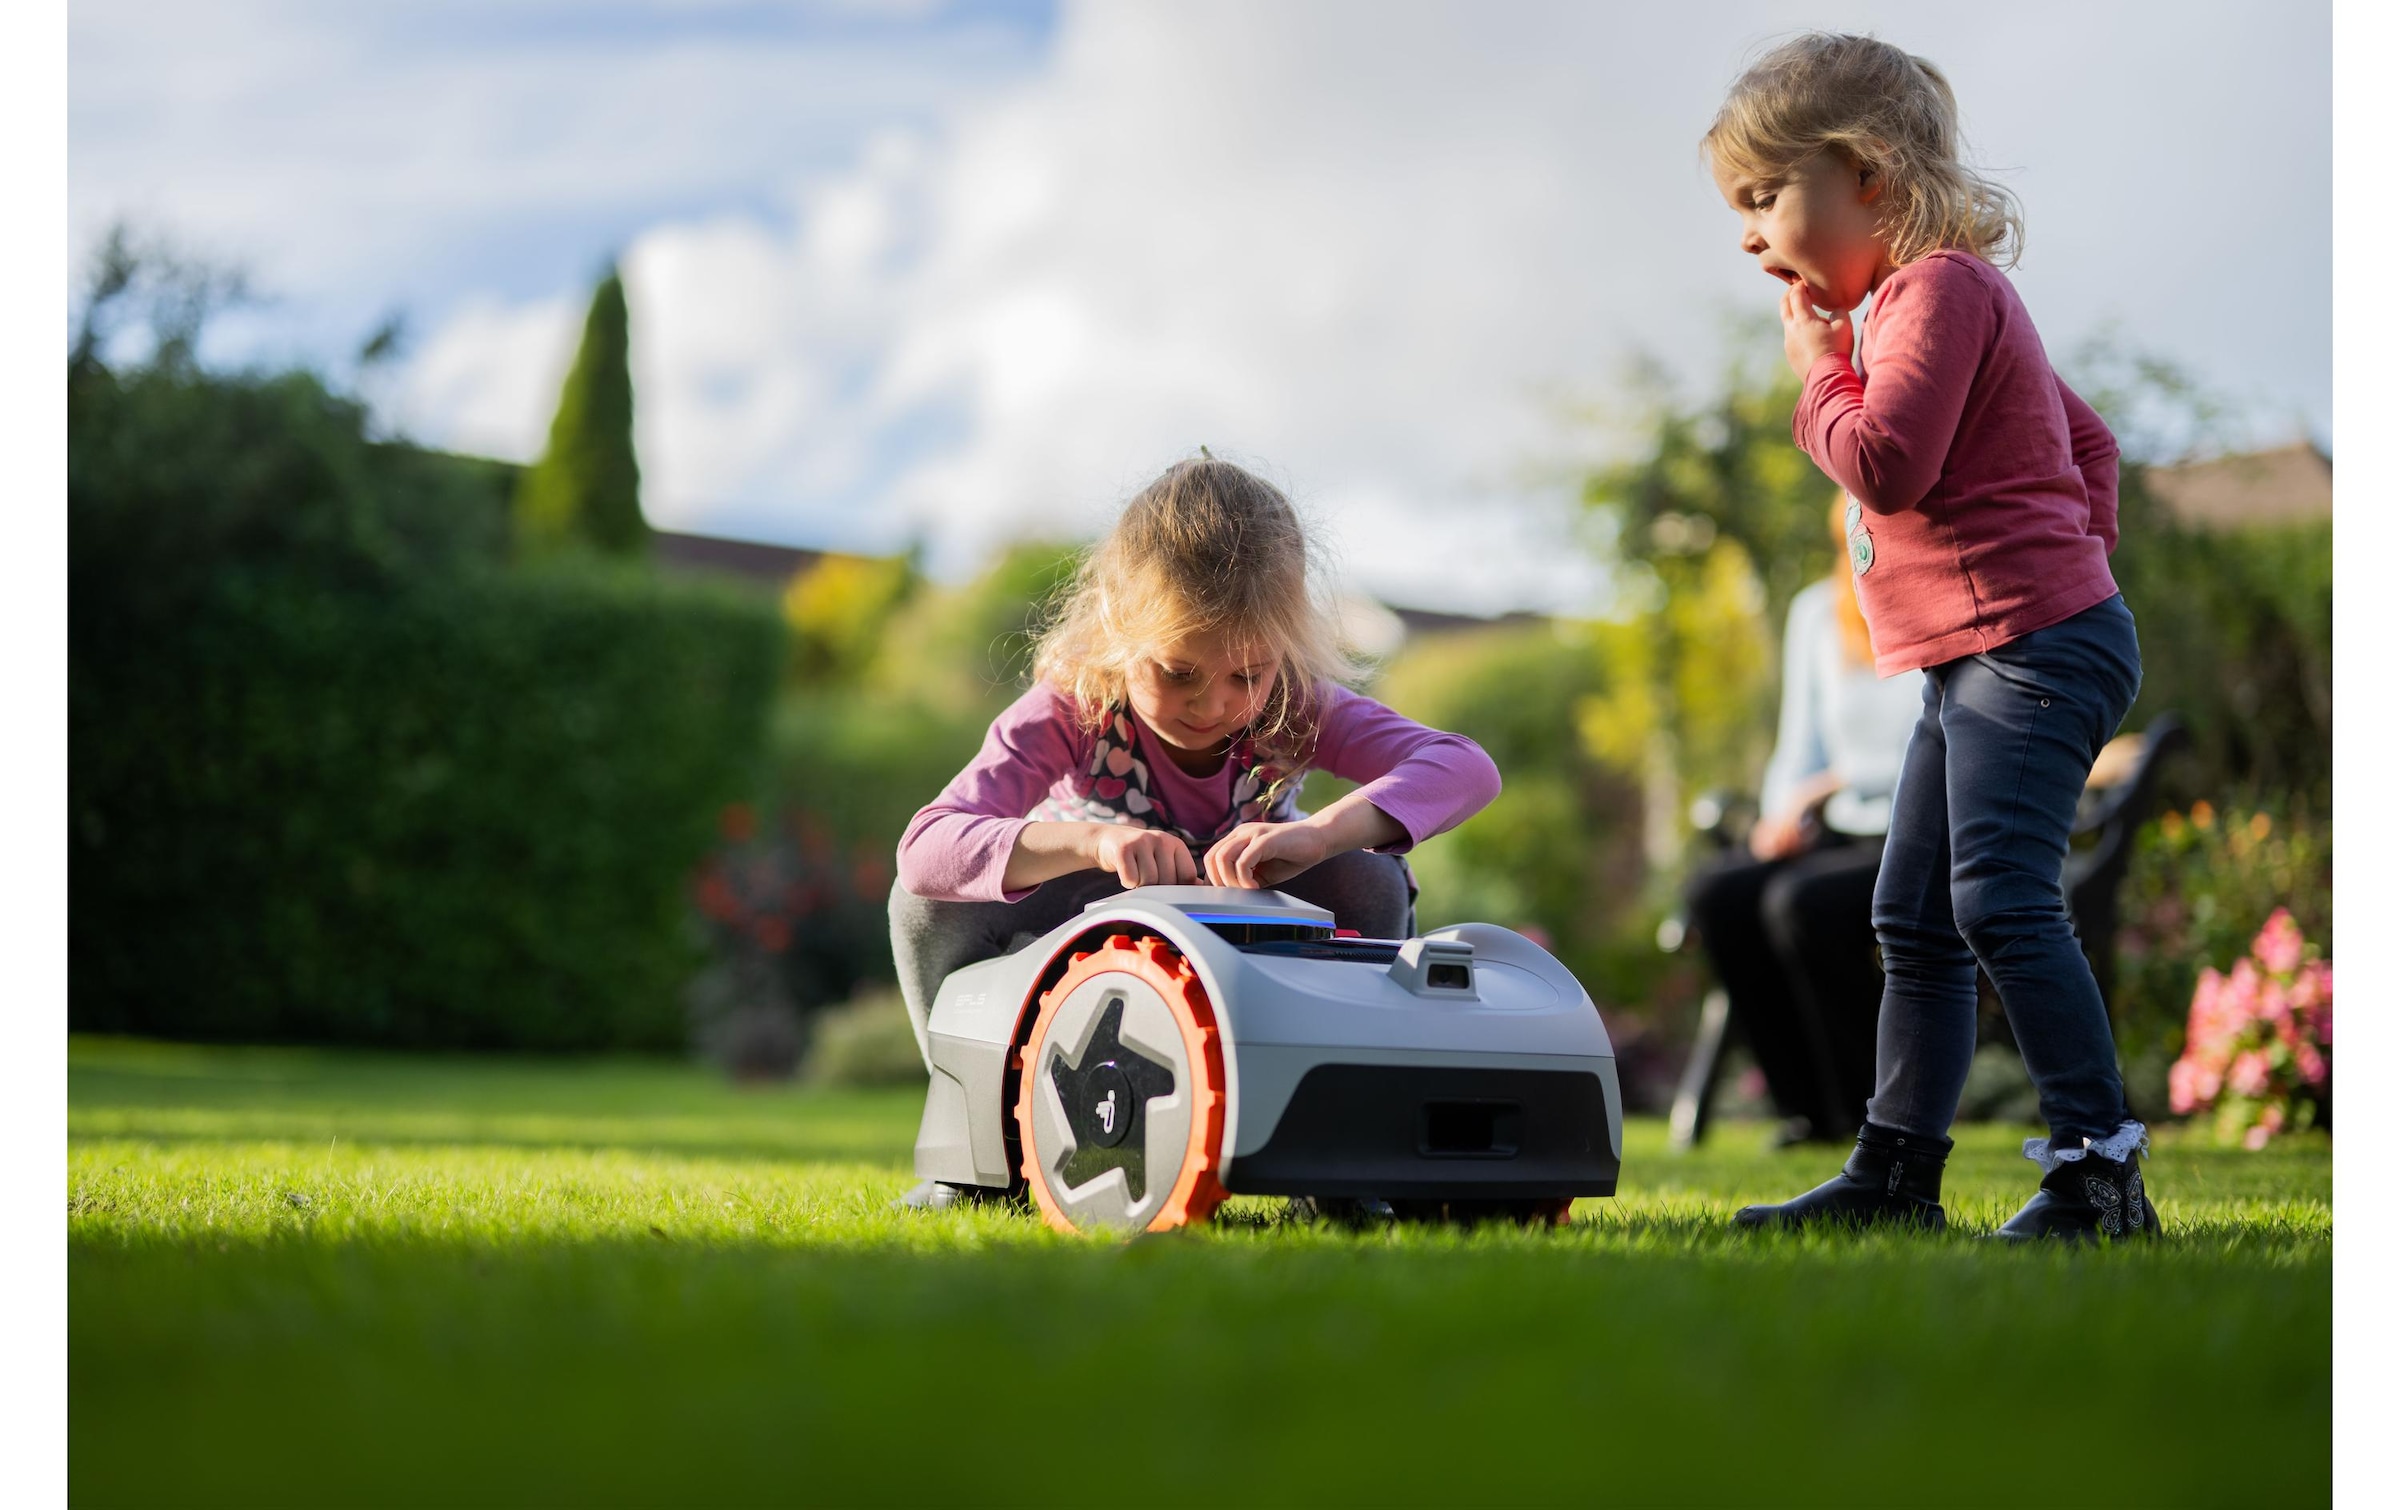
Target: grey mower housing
point(1467, 1064)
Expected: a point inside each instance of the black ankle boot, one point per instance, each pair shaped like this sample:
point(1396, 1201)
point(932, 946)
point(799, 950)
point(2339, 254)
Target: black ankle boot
point(1891, 1177)
point(2087, 1193)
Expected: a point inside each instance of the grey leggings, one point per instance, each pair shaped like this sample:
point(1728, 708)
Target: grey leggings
point(1363, 890)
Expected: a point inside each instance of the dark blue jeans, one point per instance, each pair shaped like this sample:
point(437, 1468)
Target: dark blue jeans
point(1971, 874)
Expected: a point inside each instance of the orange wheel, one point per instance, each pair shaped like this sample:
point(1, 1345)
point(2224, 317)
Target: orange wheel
point(1121, 1105)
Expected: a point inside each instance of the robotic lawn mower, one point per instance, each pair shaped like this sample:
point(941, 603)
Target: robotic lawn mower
point(1176, 1044)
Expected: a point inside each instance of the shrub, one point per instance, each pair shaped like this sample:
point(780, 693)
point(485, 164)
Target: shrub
point(175, 477)
point(865, 1042)
point(457, 813)
point(839, 610)
point(334, 772)
point(2259, 1050)
point(2201, 883)
point(795, 916)
point(1561, 844)
point(2237, 639)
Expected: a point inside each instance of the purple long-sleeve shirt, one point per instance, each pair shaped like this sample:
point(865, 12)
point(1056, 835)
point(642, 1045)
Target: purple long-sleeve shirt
point(956, 849)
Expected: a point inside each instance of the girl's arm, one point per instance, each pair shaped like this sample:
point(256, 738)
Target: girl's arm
point(1135, 856)
point(1424, 781)
point(1418, 782)
point(1884, 438)
point(959, 847)
point(2096, 459)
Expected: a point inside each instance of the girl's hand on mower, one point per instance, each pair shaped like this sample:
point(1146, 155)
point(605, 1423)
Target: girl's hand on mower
point(1142, 856)
point(1265, 854)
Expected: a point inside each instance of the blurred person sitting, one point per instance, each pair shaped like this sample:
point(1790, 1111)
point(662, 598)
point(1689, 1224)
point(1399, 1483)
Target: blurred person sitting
point(1784, 920)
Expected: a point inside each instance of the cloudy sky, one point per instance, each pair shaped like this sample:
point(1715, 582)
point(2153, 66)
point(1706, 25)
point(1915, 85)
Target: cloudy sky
point(962, 271)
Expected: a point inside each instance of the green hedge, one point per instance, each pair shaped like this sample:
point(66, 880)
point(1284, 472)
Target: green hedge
point(461, 812)
point(2237, 640)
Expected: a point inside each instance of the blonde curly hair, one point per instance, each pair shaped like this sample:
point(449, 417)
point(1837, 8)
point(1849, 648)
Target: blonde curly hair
point(1207, 547)
point(1883, 109)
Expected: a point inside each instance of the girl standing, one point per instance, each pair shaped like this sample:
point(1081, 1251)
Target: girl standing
point(1984, 514)
point(1190, 681)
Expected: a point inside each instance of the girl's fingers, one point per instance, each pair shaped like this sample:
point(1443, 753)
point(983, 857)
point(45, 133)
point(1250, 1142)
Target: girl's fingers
point(1255, 858)
point(1237, 857)
point(1245, 861)
point(1229, 867)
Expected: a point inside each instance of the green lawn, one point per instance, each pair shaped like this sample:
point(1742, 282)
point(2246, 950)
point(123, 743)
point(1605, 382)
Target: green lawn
point(316, 1278)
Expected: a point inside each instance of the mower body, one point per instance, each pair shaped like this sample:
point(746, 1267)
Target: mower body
point(1467, 1064)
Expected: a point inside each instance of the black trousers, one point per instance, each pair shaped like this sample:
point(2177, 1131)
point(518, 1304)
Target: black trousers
point(1793, 943)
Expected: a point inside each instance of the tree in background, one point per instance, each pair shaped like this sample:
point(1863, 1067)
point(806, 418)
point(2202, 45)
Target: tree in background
point(338, 771)
point(1714, 520)
point(839, 609)
point(1723, 466)
point(587, 487)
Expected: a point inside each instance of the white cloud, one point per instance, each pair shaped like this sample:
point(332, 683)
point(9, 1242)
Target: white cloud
point(1360, 244)
point(487, 380)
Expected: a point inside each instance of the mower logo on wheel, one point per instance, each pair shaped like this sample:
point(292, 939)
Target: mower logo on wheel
point(1104, 1098)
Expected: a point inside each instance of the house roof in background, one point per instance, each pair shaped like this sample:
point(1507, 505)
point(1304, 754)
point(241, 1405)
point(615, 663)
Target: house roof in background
point(2283, 486)
point(766, 565)
point(1421, 622)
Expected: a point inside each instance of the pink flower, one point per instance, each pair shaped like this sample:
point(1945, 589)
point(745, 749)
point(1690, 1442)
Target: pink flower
point(2312, 1000)
point(2208, 1011)
point(2239, 998)
point(2256, 1138)
point(2313, 1067)
point(2251, 1073)
point(2280, 945)
point(2183, 1086)
point(2275, 1002)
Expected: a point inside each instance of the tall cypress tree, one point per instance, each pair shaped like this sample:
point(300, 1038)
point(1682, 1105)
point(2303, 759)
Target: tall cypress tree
point(587, 486)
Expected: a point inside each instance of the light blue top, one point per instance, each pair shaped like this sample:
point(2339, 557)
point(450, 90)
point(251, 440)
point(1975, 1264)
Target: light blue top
point(1838, 716)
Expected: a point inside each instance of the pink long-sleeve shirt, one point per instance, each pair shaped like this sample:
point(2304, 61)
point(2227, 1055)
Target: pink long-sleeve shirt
point(956, 849)
point(1989, 490)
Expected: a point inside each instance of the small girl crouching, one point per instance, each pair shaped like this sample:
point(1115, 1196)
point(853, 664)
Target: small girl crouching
point(1189, 681)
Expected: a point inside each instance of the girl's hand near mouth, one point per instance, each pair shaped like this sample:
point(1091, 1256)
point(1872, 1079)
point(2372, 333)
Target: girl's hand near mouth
point(1809, 336)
